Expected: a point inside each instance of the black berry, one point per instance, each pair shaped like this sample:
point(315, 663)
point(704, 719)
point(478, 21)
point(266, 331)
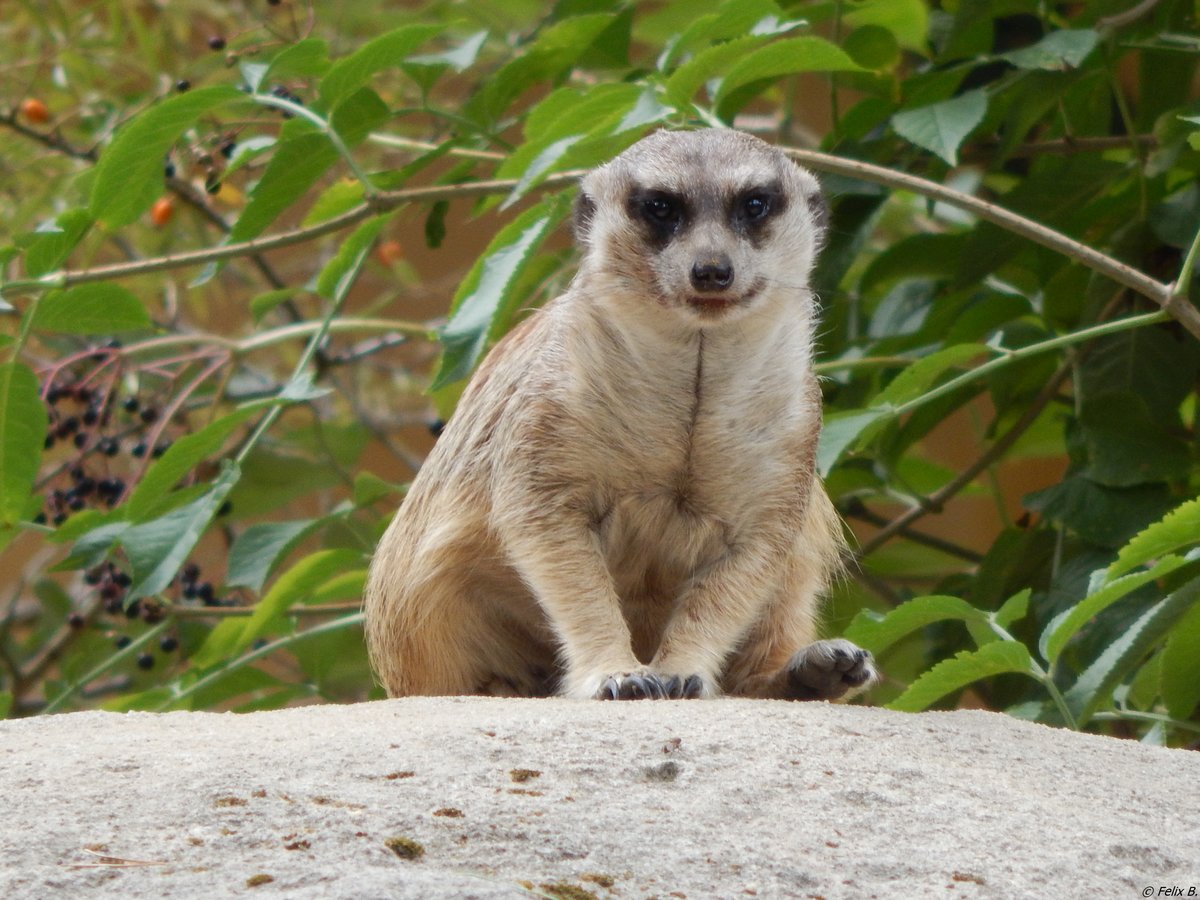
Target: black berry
point(145, 661)
point(169, 644)
point(123, 641)
point(130, 404)
point(138, 449)
point(75, 620)
point(149, 414)
point(183, 85)
point(216, 42)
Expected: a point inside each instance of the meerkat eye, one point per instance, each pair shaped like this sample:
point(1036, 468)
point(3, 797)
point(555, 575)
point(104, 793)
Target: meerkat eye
point(756, 207)
point(661, 209)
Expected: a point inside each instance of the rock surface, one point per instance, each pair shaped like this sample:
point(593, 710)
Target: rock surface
point(521, 798)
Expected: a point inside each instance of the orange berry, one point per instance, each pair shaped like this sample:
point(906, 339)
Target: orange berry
point(35, 110)
point(161, 211)
point(389, 252)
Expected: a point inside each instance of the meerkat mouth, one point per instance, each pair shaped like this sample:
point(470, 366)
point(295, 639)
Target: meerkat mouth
point(715, 305)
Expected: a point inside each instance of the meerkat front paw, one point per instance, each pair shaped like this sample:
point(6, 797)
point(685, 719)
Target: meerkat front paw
point(642, 685)
point(646, 684)
point(827, 670)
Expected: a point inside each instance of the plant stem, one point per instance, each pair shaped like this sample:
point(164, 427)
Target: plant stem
point(116, 659)
point(265, 650)
point(310, 350)
point(1128, 276)
point(326, 128)
point(1183, 283)
point(1008, 357)
point(993, 453)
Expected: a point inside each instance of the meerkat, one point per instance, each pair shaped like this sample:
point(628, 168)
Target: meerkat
point(625, 503)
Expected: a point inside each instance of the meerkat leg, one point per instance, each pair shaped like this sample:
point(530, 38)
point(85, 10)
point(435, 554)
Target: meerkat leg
point(780, 657)
point(564, 566)
point(715, 612)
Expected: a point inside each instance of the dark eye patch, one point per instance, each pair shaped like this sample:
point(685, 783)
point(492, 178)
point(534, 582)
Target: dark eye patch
point(663, 214)
point(752, 208)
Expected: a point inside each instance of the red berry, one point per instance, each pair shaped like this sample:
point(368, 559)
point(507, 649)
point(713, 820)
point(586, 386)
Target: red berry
point(161, 211)
point(35, 110)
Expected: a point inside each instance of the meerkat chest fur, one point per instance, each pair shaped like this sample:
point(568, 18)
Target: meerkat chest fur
point(683, 352)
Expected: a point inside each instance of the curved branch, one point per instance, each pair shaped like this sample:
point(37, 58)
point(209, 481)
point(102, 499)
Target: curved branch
point(1162, 294)
point(1132, 278)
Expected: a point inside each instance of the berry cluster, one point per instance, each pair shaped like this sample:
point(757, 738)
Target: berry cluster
point(97, 429)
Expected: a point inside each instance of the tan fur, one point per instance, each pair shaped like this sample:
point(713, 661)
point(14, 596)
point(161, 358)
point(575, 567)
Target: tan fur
point(626, 494)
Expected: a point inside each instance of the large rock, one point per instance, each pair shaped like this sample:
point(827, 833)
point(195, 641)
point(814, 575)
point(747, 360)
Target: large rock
point(519, 798)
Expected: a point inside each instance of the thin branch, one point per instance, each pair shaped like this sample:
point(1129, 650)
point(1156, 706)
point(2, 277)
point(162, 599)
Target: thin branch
point(1135, 280)
point(1131, 15)
point(382, 202)
point(1068, 146)
point(233, 612)
point(1132, 278)
point(935, 501)
point(858, 511)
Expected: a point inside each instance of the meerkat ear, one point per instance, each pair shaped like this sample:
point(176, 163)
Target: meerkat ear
point(585, 208)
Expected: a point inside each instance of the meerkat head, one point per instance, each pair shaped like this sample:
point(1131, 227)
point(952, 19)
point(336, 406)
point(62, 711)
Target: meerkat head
point(710, 224)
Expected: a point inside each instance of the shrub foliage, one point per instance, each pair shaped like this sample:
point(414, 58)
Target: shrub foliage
point(209, 318)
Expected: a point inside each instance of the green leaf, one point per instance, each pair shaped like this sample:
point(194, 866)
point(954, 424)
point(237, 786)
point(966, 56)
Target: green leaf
point(1095, 686)
point(303, 59)
point(48, 247)
point(1180, 674)
point(996, 658)
point(459, 58)
point(273, 479)
point(1057, 51)
point(99, 308)
point(1177, 529)
point(159, 547)
point(942, 127)
point(877, 634)
point(1127, 445)
point(873, 47)
point(346, 261)
point(6, 703)
point(555, 50)
point(339, 197)
point(22, 436)
point(1153, 363)
point(1067, 623)
point(260, 547)
point(787, 57)
point(683, 83)
point(301, 159)
point(129, 176)
point(908, 20)
point(93, 545)
point(842, 429)
point(921, 375)
point(152, 495)
point(485, 292)
point(560, 120)
point(263, 303)
point(290, 588)
point(733, 19)
point(1014, 609)
point(386, 51)
point(370, 488)
point(1100, 515)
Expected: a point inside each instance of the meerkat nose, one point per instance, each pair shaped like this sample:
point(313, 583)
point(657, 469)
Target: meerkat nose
point(712, 274)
